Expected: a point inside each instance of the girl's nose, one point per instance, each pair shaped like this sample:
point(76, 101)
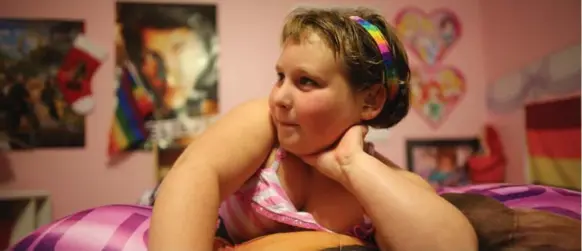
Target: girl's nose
point(282, 95)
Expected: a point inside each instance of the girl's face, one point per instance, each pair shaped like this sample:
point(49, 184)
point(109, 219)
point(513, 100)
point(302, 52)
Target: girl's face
point(446, 164)
point(312, 103)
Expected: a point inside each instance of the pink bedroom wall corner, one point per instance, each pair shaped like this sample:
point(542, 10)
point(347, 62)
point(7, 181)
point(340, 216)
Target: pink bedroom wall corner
point(516, 33)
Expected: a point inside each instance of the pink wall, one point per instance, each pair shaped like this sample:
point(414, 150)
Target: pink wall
point(519, 33)
point(81, 178)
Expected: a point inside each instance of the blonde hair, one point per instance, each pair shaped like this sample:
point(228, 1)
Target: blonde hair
point(355, 48)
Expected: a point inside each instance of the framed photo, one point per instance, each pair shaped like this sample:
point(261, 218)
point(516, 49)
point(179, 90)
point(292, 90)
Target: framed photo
point(442, 162)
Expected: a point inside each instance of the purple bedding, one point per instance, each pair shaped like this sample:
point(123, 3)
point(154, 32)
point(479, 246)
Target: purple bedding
point(556, 200)
point(125, 227)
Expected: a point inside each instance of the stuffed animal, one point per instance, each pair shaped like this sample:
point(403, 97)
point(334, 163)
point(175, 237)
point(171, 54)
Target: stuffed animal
point(488, 167)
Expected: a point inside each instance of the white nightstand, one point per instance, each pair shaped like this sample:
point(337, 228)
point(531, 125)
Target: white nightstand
point(30, 209)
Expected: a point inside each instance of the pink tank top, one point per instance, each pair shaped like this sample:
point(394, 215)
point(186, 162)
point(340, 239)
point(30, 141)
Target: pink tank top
point(261, 205)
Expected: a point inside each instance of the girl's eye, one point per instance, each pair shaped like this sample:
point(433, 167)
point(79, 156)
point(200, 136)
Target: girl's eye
point(280, 77)
point(307, 81)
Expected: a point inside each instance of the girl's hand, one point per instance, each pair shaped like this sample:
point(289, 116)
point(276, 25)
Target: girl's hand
point(336, 161)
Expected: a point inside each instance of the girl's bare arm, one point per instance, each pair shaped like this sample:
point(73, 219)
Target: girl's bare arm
point(213, 166)
point(406, 211)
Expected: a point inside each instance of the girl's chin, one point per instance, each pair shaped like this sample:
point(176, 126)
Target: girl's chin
point(294, 147)
point(301, 148)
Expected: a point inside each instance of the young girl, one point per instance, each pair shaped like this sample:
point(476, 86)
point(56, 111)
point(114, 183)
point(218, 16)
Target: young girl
point(297, 161)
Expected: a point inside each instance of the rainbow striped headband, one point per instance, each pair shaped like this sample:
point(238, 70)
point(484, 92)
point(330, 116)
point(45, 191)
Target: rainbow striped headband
point(384, 48)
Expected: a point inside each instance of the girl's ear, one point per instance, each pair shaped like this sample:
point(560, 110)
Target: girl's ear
point(373, 99)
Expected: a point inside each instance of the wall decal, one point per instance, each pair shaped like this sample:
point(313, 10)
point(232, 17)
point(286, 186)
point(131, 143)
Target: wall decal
point(436, 92)
point(555, 75)
point(436, 88)
point(428, 35)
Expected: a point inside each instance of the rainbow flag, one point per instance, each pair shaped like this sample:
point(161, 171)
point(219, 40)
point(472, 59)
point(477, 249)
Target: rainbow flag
point(134, 104)
point(553, 141)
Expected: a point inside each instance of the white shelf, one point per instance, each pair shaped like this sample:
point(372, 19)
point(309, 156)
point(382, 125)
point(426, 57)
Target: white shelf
point(29, 209)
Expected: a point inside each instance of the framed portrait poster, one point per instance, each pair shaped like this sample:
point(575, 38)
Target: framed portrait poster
point(442, 162)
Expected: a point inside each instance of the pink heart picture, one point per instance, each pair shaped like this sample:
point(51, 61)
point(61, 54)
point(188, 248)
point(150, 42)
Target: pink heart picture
point(435, 92)
point(428, 35)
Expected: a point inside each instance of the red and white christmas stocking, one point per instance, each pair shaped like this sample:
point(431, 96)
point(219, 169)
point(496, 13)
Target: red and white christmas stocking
point(77, 70)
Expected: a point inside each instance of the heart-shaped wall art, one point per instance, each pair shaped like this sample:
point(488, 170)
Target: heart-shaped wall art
point(428, 35)
point(436, 91)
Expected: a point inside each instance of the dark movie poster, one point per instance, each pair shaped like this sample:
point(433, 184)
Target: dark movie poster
point(33, 113)
point(174, 48)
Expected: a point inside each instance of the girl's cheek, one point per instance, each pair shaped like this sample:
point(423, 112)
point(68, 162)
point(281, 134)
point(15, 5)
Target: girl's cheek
point(313, 109)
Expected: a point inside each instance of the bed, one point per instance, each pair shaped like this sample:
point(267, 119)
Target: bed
point(125, 227)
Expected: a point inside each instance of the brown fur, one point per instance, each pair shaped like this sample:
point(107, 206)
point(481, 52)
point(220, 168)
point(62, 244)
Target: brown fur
point(500, 228)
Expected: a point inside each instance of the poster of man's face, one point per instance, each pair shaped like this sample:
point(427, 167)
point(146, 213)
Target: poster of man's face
point(174, 47)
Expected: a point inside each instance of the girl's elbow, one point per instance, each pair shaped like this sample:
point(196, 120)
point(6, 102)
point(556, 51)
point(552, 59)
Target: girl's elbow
point(464, 236)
